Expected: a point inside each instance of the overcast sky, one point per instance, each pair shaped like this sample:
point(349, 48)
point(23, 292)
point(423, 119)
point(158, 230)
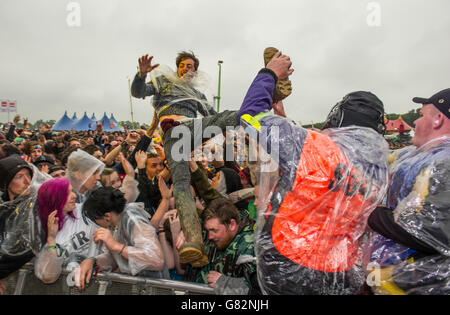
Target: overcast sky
point(337, 47)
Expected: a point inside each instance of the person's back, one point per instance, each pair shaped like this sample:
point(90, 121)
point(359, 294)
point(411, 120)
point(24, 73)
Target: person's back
point(314, 203)
point(410, 249)
point(318, 213)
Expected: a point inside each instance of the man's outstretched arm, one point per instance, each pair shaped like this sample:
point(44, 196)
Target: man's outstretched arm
point(259, 96)
point(139, 88)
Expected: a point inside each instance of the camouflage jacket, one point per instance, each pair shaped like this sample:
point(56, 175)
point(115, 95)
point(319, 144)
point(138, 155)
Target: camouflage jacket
point(237, 260)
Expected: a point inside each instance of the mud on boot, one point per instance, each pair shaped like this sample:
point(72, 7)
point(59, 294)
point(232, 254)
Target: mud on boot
point(193, 249)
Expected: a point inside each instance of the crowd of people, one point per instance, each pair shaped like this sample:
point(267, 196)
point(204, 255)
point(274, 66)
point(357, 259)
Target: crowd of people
point(330, 211)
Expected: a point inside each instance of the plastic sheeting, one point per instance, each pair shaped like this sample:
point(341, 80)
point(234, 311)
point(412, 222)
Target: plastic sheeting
point(419, 195)
point(192, 87)
point(315, 194)
point(23, 231)
point(80, 166)
point(145, 256)
point(76, 243)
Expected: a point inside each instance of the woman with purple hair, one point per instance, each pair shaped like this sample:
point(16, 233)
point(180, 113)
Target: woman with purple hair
point(68, 232)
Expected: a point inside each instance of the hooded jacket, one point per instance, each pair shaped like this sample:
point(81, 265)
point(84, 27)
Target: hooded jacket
point(9, 167)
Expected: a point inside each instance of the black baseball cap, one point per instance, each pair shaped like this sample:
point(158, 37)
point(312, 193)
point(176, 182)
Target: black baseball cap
point(441, 100)
point(44, 159)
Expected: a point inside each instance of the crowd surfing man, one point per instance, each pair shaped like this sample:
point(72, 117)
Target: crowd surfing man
point(326, 184)
point(410, 253)
point(176, 101)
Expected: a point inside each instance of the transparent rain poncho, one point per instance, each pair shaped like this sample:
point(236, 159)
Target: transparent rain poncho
point(80, 167)
point(145, 256)
point(168, 89)
point(419, 196)
point(76, 243)
point(315, 192)
point(130, 188)
point(23, 231)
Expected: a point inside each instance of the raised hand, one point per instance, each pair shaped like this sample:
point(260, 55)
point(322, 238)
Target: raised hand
point(141, 159)
point(16, 119)
point(132, 138)
point(145, 65)
point(166, 193)
point(129, 170)
point(280, 64)
point(52, 227)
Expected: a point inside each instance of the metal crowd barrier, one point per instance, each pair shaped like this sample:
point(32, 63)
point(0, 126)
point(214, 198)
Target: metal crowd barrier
point(24, 282)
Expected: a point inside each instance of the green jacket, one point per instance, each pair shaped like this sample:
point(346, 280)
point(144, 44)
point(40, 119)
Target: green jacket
point(237, 262)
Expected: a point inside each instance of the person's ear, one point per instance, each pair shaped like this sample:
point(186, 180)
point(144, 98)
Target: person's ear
point(233, 226)
point(438, 121)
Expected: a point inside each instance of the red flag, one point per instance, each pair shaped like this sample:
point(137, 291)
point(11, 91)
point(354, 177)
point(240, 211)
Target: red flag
point(111, 124)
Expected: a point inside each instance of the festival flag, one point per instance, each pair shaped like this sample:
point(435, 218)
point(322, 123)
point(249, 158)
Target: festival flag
point(4, 106)
point(12, 107)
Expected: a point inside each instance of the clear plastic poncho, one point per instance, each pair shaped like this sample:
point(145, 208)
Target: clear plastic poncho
point(80, 167)
point(76, 243)
point(145, 256)
point(170, 89)
point(315, 192)
point(23, 229)
point(419, 195)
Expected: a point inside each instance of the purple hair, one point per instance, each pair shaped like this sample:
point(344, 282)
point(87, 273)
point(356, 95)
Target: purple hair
point(53, 195)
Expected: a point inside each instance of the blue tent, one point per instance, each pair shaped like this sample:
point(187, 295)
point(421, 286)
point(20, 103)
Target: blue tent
point(93, 118)
point(109, 125)
point(112, 118)
point(65, 123)
point(74, 117)
point(85, 123)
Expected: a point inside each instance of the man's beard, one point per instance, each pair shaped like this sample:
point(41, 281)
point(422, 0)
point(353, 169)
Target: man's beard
point(223, 244)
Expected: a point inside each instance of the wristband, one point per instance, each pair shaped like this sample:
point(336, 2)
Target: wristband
point(56, 247)
point(120, 253)
point(94, 260)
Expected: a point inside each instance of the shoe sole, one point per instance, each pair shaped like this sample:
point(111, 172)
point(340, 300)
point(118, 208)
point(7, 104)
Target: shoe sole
point(284, 87)
point(203, 261)
point(189, 255)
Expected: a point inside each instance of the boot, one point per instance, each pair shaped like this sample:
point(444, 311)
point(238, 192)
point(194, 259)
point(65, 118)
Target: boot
point(203, 261)
point(193, 250)
point(284, 87)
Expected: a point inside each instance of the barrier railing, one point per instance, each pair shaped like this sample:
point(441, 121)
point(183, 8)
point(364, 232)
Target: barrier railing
point(24, 282)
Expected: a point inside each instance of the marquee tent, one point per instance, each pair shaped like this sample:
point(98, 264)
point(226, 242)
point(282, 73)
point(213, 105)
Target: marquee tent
point(84, 123)
point(64, 123)
point(397, 125)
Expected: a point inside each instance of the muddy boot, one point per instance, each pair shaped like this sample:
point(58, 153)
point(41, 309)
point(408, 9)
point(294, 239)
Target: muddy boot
point(284, 87)
point(193, 250)
point(203, 261)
